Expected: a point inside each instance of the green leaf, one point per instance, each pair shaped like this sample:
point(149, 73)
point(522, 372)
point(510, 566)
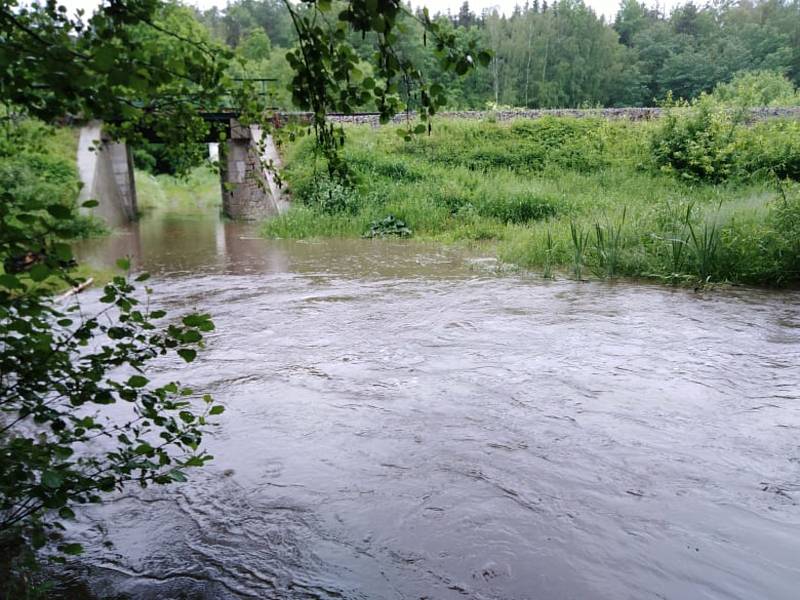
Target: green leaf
point(143, 277)
point(39, 272)
point(138, 381)
point(90, 204)
point(38, 538)
point(187, 354)
point(11, 282)
point(104, 57)
point(52, 479)
point(66, 513)
point(71, 549)
point(178, 476)
point(62, 251)
point(196, 320)
point(124, 263)
point(59, 211)
point(143, 448)
point(217, 409)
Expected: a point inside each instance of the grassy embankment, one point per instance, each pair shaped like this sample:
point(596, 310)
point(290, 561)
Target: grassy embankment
point(195, 193)
point(38, 169)
point(678, 200)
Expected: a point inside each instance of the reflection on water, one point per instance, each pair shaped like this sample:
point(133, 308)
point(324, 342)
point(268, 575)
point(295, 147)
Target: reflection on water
point(401, 424)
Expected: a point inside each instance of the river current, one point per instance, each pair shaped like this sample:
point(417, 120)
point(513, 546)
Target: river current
point(405, 422)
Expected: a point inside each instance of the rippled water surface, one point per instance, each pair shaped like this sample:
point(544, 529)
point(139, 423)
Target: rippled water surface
point(403, 423)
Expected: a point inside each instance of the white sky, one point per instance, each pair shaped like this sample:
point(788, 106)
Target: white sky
point(604, 7)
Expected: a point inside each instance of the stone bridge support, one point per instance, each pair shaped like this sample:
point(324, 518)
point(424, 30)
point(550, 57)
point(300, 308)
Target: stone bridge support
point(249, 191)
point(106, 172)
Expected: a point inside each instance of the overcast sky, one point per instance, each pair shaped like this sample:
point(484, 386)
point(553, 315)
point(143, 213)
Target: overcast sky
point(605, 7)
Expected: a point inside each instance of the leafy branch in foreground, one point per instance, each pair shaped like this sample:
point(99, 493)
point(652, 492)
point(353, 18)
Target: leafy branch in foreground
point(61, 444)
point(330, 76)
point(79, 416)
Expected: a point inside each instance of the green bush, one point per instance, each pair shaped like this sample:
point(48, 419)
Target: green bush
point(785, 218)
point(770, 149)
point(711, 141)
point(697, 142)
point(331, 197)
point(757, 88)
point(34, 174)
point(166, 159)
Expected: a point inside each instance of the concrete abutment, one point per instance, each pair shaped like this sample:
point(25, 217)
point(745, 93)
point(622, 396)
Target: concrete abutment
point(249, 190)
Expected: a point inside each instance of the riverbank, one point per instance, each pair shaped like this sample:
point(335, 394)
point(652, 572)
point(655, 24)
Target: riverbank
point(197, 192)
point(592, 197)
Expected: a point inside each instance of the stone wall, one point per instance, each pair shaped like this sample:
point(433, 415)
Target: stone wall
point(631, 114)
point(249, 192)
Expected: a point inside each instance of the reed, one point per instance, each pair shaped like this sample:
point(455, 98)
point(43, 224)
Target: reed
point(608, 245)
point(548, 255)
point(580, 239)
point(704, 245)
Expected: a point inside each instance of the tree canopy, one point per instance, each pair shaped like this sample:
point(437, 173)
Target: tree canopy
point(562, 54)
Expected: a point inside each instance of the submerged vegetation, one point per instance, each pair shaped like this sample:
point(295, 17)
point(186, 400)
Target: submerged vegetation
point(699, 195)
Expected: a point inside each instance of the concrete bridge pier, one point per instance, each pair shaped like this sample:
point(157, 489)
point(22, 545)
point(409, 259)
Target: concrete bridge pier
point(249, 191)
point(106, 172)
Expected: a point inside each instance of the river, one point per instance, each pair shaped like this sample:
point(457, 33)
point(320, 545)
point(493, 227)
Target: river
point(405, 422)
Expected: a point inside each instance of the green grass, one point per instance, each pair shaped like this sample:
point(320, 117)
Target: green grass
point(194, 193)
point(556, 195)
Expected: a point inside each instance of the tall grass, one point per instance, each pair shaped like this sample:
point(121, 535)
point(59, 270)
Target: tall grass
point(609, 245)
point(580, 239)
point(555, 195)
point(198, 191)
point(704, 245)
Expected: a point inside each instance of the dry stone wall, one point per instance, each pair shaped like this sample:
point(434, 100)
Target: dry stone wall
point(631, 114)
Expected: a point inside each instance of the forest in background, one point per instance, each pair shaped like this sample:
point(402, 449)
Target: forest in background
point(553, 55)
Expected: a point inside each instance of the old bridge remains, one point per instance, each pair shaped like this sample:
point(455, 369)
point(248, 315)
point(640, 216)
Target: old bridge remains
point(249, 189)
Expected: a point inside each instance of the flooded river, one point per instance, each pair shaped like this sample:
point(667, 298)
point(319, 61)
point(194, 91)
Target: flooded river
point(404, 423)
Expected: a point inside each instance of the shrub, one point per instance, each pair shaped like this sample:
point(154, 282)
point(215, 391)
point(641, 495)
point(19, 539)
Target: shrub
point(389, 226)
point(785, 218)
point(771, 148)
point(697, 144)
point(35, 175)
point(330, 197)
point(757, 88)
point(168, 159)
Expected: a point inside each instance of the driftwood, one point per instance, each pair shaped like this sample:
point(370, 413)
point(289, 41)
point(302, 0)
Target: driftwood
point(76, 290)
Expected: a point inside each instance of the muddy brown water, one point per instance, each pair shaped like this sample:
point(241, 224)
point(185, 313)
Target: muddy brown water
point(404, 423)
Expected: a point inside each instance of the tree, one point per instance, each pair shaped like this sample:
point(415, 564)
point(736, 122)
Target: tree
point(255, 45)
point(630, 20)
point(466, 18)
point(327, 69)
point(143, 64)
